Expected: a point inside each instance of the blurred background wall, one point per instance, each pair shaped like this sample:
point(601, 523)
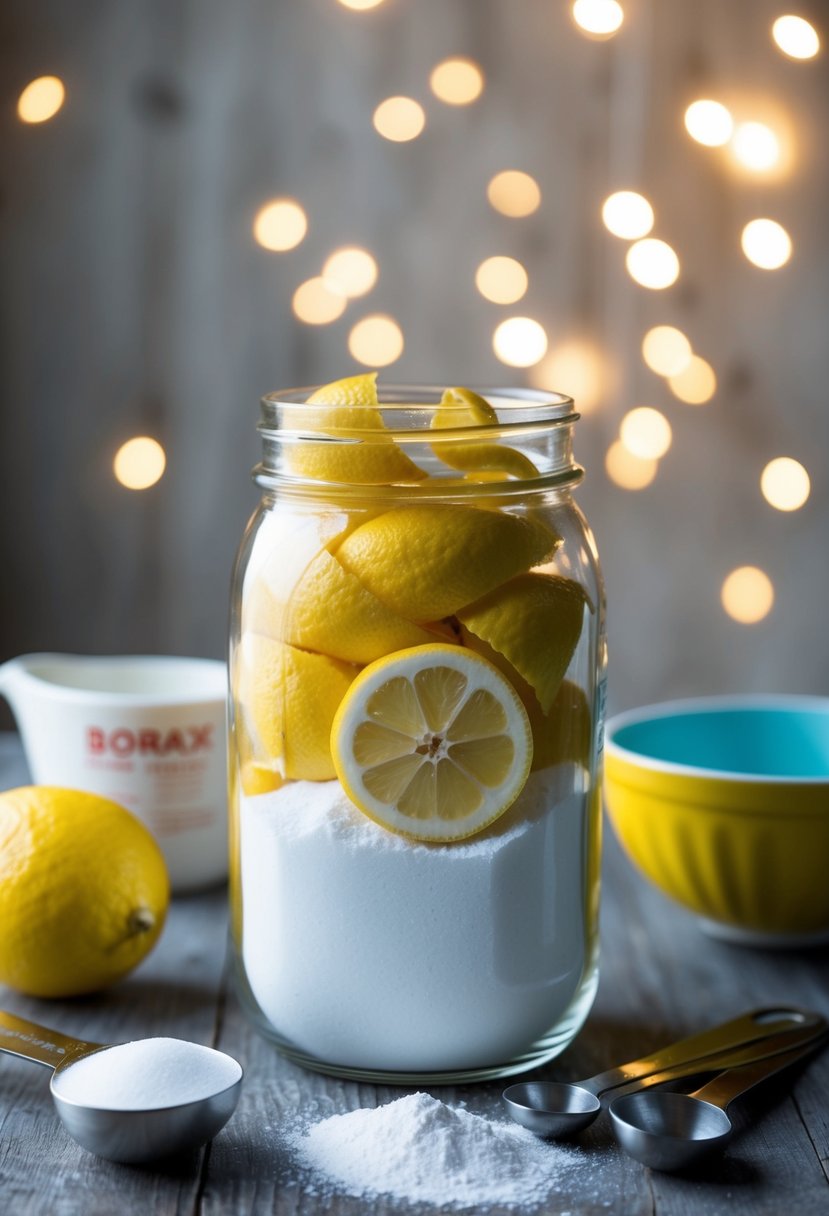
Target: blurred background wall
point(137, 300)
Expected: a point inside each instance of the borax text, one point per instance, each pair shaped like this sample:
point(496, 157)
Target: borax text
point(149, 742)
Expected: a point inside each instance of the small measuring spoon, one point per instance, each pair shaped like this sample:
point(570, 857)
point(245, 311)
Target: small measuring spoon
point(129, 1136)
point(556, 1109)
point(669, 1131)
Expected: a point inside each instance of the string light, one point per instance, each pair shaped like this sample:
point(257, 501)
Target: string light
point(785, 484)
point(747, 595)
point(627, 215)
point(139, 463)
point(766, 243)
point(576, 367)
point(280, 225)
point(376, 341)
point(709, 122)
point(520, 342)
point(457, 81)
point(599, 18)
point(696, 384)
point(318, 301)
point(646, 433)
point(41, 99)
point(352, 269)
point(399, 119)
point(626, 470)
point(796, 37)
point(652, 263)
point(501, 280)
point(755, 146)
point(666, 350)
point(514, 193)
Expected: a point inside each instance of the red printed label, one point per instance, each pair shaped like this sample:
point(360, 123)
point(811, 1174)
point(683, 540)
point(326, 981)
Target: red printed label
point(123, 742)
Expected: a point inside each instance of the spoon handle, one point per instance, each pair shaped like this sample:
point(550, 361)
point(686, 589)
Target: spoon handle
point(730, 1085)
point(739, 1032)
point(26, 1039)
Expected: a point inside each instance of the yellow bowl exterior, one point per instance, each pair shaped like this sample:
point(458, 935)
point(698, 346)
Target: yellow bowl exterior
point(752, 854)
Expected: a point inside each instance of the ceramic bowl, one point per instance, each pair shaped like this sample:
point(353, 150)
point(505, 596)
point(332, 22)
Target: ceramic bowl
point(723, 803)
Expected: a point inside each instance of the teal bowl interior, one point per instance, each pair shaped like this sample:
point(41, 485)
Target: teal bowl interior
point(776, 739)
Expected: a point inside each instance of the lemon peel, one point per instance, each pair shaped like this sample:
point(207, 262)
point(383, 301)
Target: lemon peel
point(289, 697)
point(350, 412)
point(84, 891)
point(461, 407)
point(432, 743)
point(534, 621)
point(426, 562)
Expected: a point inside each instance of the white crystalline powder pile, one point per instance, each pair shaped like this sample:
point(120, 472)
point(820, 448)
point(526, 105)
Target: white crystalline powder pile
point(423, 1151)
point(147, 1074)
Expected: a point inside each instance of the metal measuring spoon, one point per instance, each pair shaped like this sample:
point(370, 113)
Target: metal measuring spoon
point(669, 1131)
point(556, 1109)
point(130, 1136)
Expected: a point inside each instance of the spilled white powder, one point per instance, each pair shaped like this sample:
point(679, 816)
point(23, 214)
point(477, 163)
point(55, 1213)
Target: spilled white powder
point(421, 1150)
point(147, 1074)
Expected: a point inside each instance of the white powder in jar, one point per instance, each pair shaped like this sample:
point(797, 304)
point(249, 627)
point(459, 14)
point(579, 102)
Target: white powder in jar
point(147, 1074)
point(423, 1151)
point(365, 949)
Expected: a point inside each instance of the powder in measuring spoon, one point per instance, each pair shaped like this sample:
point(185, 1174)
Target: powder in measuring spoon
point(146, 1075)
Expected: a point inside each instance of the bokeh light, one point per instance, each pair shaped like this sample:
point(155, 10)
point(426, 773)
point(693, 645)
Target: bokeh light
point(520, 342)
point(696, 384)
point(514, 193)
point(318, 301)
point(599, 18)
point(502, 280)
point(755, 146)
point(352, 269)
point(747, 595)
point(376, 341)
point(399, 119)
point(457, 81)
point(652, 263)
point(709, 122)
point(645, 432)
point(796, 37)
point(627, 214)
point(576, 367)
point(139, 463)
point(766, 243)
point(280, 225)
point(666, 350)
point(785, 484)
point(626, 470)
point(41, 99)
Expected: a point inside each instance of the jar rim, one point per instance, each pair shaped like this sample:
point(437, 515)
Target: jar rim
point(409, 408)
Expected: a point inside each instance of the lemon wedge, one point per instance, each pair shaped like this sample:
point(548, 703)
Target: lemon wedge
point(432, 743)
point(426, 562)
point(461, 407)
point(535, 622)
point(288, 698)
point(350, 411)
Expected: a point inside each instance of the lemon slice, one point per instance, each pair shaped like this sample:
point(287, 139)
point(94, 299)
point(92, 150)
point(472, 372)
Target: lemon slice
point(349, 405)
point(460, 407)
point(432, 743)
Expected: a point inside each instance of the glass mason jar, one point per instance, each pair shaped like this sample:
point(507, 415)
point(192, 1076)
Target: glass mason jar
point(417, 677)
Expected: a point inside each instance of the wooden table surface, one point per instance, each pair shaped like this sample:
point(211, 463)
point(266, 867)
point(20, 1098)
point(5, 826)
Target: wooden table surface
point(661, 979)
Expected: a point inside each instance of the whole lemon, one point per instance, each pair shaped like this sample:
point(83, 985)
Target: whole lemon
point(83, 891)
